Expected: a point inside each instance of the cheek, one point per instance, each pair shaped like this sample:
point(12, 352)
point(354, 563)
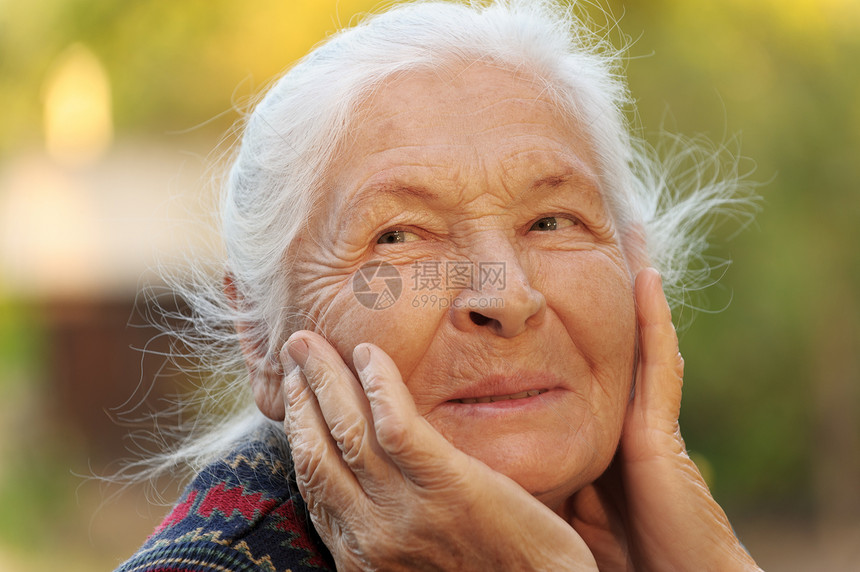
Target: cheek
point(593, 298)
point(404, 329)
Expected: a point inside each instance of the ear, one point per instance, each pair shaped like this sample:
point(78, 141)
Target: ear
point(265, 376)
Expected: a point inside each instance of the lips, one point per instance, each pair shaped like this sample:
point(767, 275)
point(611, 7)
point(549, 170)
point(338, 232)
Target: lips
point(496, 398)
point(505, 389)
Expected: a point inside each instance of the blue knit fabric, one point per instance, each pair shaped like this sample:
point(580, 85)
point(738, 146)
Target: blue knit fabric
point(243, 513)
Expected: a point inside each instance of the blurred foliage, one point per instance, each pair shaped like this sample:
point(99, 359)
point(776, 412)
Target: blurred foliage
point(173, 65)
point(31, 487)
point(782, 76)
point(21, 340)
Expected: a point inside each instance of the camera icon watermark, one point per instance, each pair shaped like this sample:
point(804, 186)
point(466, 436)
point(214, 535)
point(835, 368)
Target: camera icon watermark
point(378, 285)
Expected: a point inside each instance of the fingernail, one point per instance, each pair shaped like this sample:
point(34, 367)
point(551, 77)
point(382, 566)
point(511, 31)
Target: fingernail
point(298, 350)
point(361, 357)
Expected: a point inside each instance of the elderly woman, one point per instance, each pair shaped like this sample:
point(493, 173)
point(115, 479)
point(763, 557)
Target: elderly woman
point(440, 242)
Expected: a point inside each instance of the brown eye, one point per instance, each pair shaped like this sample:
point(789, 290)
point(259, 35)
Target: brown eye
point(397, 236)
point(552, 223)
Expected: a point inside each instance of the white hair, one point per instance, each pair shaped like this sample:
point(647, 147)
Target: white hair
point(293, 133)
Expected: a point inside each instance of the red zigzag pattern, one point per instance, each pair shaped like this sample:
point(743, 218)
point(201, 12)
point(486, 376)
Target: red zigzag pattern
point(229, 501)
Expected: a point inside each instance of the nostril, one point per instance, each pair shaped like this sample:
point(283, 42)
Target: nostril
point(479, 319)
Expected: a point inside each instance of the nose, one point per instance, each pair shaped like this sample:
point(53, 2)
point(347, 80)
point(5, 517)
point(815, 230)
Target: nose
point(501, 299)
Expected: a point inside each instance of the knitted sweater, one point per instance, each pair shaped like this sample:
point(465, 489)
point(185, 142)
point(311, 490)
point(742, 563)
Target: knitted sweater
point(243, 513)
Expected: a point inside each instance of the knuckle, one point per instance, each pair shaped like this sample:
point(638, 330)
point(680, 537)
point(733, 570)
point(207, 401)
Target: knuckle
point(307, 462)
point(314, 475)
point(374, 381)
point(322, 379)
point(298, 395)
point(394, 439)
point(351, 439)
point(373, 551)
point(350, 557)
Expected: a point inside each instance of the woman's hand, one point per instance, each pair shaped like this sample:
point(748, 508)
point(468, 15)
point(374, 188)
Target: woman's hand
point(386, 491)
point(652, 507)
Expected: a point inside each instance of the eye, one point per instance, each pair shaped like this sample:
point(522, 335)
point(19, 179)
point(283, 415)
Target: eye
point(553, 223)
point(397, 236)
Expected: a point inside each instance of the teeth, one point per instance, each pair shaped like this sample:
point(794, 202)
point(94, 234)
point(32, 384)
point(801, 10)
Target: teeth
point(493, 399)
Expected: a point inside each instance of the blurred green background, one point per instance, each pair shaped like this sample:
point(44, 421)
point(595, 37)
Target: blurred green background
point(111, 114)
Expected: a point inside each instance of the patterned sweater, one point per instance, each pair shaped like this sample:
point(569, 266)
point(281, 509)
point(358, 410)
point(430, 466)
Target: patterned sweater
point(243, 513)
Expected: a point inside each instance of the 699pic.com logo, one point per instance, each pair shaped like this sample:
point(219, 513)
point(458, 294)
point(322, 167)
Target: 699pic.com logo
point(377, 285)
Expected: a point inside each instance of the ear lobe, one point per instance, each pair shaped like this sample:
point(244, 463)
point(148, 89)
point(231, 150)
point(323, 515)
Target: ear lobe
point(264, 374)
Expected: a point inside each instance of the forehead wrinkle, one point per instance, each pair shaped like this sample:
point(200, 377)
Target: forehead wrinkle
point(405, 182)
point(391, 189)
point(539, 128)
point(387, 190)
point(519, 102)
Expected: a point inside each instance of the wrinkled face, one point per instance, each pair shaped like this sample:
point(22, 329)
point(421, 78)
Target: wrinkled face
point(514, 324)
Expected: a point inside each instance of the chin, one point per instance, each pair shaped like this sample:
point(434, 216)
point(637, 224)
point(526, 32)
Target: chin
point(550, 469)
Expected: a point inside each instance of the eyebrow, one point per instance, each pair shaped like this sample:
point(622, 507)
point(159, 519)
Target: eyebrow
point(579, 180)
point(551, 181)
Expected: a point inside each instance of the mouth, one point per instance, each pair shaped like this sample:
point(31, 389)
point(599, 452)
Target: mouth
point(496, 398)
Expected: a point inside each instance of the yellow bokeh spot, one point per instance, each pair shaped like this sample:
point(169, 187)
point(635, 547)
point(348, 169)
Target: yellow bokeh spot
point(77, 114)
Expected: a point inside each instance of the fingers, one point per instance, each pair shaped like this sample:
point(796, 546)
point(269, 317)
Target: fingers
point(660, 375)
point(342, 407)
point(376, 429)
point(323, 478)
point(421, 453)
point(651, 427)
